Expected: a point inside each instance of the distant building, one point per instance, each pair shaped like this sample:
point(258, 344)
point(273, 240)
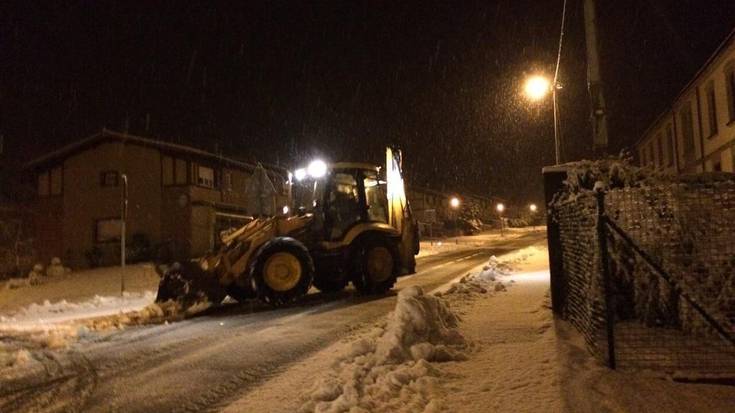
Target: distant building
point(433, 207)
point(175, 192)
point(697, 133)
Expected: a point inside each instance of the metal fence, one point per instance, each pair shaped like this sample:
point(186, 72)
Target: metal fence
point(648, 276)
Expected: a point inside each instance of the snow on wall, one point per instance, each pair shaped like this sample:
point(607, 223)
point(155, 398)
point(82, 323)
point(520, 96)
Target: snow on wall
point(686, 223)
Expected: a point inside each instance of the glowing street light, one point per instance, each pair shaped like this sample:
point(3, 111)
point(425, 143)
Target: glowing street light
point(286, 210)
point(454, 202)
point(537, 87)
point(500, 208)
point(533, 207)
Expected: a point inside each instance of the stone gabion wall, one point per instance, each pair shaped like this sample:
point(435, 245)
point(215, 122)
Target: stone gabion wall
point(584, 304)
point(689, 228)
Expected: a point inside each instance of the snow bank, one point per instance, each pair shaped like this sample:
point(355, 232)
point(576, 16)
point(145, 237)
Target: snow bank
point(389, 370)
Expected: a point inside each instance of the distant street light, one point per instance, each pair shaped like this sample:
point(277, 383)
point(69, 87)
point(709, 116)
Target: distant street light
point(536, 88)
point(533, 207)
point(454, 202)
point(500, 208)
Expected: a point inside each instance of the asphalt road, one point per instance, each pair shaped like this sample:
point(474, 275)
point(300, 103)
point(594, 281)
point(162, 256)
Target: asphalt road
point(203, 363)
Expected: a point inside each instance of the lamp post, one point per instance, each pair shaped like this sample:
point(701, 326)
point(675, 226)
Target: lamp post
point(533, 208)
point(536, 88)
point(500, 208)
point(454, 203)
point(123, 218)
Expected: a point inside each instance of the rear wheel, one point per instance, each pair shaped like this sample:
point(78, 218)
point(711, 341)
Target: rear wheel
point(283, 271)
point(376, 262)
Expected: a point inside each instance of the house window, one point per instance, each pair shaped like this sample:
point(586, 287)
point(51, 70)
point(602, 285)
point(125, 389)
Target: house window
point(687, 128)
point(205, 176)
point(43, 184)
point(227, 181)
point(730, 86)
point(108, 230)
point(109, 178)
point(711, 109)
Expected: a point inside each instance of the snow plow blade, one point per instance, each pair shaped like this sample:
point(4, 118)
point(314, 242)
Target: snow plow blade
point(187, 284)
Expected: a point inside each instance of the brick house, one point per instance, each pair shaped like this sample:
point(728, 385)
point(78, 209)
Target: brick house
point(174, 192)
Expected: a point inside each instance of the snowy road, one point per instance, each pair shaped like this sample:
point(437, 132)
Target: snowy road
point(204, 363)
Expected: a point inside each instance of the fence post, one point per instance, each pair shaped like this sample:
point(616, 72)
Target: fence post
point(606, 278)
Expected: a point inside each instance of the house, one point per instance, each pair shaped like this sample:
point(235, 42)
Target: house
point(175, 192)
point(697, 132)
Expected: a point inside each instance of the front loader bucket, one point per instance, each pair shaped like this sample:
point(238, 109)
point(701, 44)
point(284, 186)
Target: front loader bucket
point(187, 284)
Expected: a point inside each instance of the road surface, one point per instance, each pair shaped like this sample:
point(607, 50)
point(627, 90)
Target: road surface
point(206, 362)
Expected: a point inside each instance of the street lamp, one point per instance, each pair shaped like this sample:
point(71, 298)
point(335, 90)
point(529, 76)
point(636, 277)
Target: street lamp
point(500, 208)
point(454, 202)
point(533, 209)
point(535, 89)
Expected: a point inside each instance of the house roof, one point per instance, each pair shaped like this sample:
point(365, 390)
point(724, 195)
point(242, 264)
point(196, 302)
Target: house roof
point(106, 135)
point(722, 46)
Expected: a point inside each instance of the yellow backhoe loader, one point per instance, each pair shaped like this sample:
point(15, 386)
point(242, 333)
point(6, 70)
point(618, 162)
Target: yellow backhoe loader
point(349, 222)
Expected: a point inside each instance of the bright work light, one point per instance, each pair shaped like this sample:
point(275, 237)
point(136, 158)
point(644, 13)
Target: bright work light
point(317, 169)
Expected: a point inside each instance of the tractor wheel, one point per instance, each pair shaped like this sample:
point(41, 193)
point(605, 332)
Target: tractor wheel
point(187, 284)
point(376, 265)
point(329, 285)
point(283, 271)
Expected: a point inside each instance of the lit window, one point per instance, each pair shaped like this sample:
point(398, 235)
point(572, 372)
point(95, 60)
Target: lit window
point(205, 176)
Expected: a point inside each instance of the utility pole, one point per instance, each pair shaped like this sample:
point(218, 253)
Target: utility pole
point(123, 218)
point(594, 80)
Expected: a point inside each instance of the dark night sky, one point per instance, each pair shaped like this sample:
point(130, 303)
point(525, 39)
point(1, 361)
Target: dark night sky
point(282, 81)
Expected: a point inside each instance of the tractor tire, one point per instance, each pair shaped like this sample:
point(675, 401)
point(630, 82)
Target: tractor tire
point(376, 265)
point(187, 284)
point(330, 285)
point(283, 271)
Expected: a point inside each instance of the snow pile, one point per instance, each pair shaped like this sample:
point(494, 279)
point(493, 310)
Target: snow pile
point(62, 311)
point(390, 370)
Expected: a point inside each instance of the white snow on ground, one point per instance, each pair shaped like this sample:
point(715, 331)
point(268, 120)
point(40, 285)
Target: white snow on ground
point(397, 367)
point(486, 238)
point(80, 286)
point(389, 370)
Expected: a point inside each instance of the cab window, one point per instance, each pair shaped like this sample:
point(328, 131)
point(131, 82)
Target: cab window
point(376, 198)
point(344, 204)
